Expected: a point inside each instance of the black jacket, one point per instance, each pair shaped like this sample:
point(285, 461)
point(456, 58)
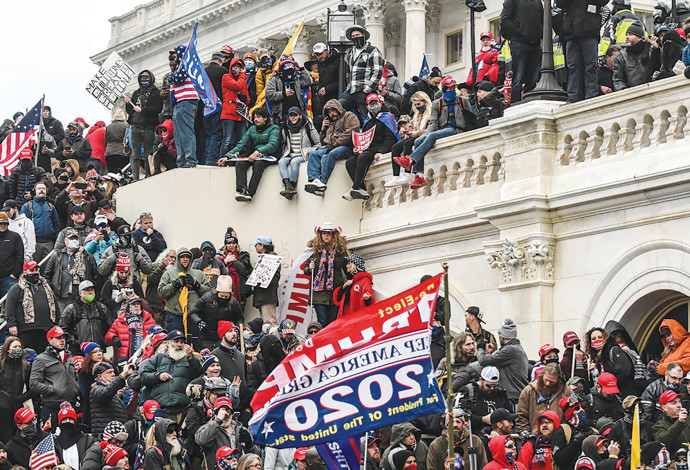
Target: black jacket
point(233, 364)
point(59, 279)
point(86, 322)
point(421, 85)
point(158, 455)
point(11, 254)
point(84, 443)
point(566, 452)
point(81, 147)
point(15, 308)
point(19, 450)
point(93, 458)
point(383, 137)
point(54, 128)
point(215, 74)
point(23, 181)
point(150, 101)
point(581, 18)
point(522, 20)
point(264, 362)
point(610, 407)
point(328, 76)
point(211, 315)
point(105, 405)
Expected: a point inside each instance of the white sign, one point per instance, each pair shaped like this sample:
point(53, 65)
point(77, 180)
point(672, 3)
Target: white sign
point(110, 80)
point(293, 296)
point(265, 268)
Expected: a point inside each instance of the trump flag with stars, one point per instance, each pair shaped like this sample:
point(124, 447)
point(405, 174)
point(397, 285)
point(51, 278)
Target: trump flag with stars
point(364, 371)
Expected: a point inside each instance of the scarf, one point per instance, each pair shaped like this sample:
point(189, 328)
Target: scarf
point(449, 98)
point(542, 452)
point(28, 300)
point(78, 269)
point(135, 328)
point(232, 272)
point(61, 354)
point(295, 128)
point(325, 270)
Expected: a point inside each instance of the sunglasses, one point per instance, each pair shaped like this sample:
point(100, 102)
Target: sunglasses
point(145, 215)
point(313, 332)
point(492, 386)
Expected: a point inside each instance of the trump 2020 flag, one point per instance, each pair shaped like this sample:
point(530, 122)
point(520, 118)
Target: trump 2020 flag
point(424, 71)
point(364, 371)
point(343, 454)
point(197, 74)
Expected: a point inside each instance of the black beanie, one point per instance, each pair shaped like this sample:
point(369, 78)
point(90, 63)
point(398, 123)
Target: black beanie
point(637, 29)
point(400, 457)
point(256, 324)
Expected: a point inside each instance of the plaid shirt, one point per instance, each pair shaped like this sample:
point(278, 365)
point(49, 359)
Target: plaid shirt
point(365, 70)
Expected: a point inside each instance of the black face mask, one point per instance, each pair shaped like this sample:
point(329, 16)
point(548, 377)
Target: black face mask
point(31, 278)
point(288, 75)
point(222, 302)
point(29, 433)
point(359, 42)
point(551, 361)
point(26, 164)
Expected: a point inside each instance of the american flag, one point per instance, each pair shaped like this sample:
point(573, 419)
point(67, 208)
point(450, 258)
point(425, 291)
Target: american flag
point(21, 137)
point(43, 455)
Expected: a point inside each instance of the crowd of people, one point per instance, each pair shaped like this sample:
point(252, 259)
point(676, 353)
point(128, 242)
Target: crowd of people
point(130, 354)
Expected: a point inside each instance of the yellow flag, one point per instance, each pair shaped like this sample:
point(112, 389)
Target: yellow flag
point(184, 304)
point(261, 99)
point(635, 447)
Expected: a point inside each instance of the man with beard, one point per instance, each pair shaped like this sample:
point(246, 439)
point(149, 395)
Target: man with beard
point(269, 356)
point(138, 259)
point(487, 397)
point(605, 401)
point(288, 338)
point(46, 221)
point(539, 396)
point(71, 442)
point(168, 375)
point(405, 436)
point(4, 463)
point(212, 308)
point(222, 430)
point(438, 449)
point(670, 381)
point(53, 375)
point(536, 451)
point(571, 345)
point(25, 437)
point(74, 146)
point(566, 443)
point(621, 431)
point(232, 362)
point(77, 221)
point(373, 450)
point(209, 264)
point(167, 451)
point(473, 324)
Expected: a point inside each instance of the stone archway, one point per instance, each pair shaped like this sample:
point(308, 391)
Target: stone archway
point(638, 283)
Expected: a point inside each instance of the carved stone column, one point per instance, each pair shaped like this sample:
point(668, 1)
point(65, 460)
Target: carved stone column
point(373, 11)
point(305, 41)
point(415, 35)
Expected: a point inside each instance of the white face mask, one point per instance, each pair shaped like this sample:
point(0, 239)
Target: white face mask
point(74, 244)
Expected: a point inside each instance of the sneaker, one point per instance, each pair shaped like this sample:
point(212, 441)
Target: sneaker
point(319, 183)
point(348, 196)
point(393, 182)
point(406, 178)
point(311, 186)
point(243, 196)
point(268, 158)
point(234, 157)
point(404, 162)
point(419, 182)
point(359, 194)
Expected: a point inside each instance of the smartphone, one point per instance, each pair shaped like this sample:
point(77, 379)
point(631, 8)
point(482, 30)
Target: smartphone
point(68, 148)
point(80, 185)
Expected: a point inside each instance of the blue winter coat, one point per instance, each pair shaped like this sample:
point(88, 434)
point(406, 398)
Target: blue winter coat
point(45, 218)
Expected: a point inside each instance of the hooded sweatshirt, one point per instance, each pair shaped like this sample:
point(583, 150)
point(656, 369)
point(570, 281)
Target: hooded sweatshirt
point(232, 87)
point(399, 432)
point(338, 132)
point(172, 294)
point(681, 351)
point(149, 99)
point(536, 451)
point(500, 461)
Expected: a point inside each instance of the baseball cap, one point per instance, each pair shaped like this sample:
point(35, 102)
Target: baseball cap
point(547, 348)
point(76, 209)
point(287, 326)
point(569, 337)
point(3, 218)
point(174, 334)
point(83, 285)
point(490, 374)
point(301, 453)
point(448, 82)
point(100, 219)
point(149, 408)
point(26, 154)
point(474, 311)
point(222, 401)
point(608, 382)
point(500, 414)
point(217, 55)
point(28, 265)
point(294, 110)
point(23, 416)
point(486, 34)
point(105, 202)
point(667, 396)
point(224, 452)
point(9, 204)
point(56, 332)
point(374, 97)
point(319, 47)
point(262, 240)
point(573, 380)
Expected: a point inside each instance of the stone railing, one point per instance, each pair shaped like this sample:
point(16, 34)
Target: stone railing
point(456, 164)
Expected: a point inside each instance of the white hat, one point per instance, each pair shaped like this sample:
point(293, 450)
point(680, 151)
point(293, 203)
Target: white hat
point(224, 284)
point(490, 374)
point(319, 47)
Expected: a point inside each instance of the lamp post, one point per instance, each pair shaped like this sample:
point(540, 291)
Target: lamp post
point(338, 22)
point(474, 6)
point(547, 87)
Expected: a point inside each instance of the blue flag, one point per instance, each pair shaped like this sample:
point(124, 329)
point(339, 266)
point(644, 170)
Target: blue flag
point(424, 71)
point(343, 454)
point(199, 77)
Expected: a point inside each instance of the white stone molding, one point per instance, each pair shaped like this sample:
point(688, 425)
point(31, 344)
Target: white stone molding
point(433, 18)
point(525, 263)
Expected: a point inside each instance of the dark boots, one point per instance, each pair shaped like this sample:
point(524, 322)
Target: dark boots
point(289, 189)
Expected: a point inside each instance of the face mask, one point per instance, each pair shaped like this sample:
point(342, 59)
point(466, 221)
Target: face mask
point(26, 164)
point(235, 72)
point(288, 75)
point(449, 95)
point(16, 353)
point(435, 330)
point(374, 108)
point(511, 458)
point(88, 298)
point(68, 428)
point(125, 241)
point(74, 244)
point(164, 135)
point(359, 42)
point(579, 419)
point(29, 433)
point(421, 109)
point(32, 278)
point(598, 344)
point(414, 465)
point(225, 465)
point(247, 335)
point(145, 83)
point(222, 302)
point(662, 460)
point(551, 361)
point(249, 65)
point(673, 387)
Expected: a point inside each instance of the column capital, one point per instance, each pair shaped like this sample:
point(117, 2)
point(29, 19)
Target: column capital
point(305, 38)
point(415, 5)
point(372, 10)
point(392, 32)
point(433, 18)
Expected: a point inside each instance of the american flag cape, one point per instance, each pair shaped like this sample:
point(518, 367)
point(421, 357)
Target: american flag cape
point(43, 455)
point(22, 136)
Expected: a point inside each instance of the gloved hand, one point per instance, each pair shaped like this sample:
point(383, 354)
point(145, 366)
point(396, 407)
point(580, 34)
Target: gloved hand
point(201, 325)
point(246, 438)
point(179, 283)
point(191, 282)
point(117, 342)
point(242, 97)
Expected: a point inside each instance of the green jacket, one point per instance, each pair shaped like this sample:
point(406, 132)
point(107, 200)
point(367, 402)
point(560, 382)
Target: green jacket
point(171, 393)
point(266, 142)
point(269, 295)
point(172, 295)
point(671, 432)
point(325, 297)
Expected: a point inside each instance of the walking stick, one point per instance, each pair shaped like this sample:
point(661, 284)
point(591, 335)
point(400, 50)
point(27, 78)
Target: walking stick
point(311, 294)
point(572, 367)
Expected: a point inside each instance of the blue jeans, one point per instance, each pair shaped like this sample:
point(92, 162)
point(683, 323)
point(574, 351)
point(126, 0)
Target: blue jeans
point(322, 161)
point(184, 113)
point(173, 322)
point(5, 284)
point(424, 143)
point(356, 102)
point(526, 65)
point(581, 59)
point(326, 314)
point(293, 173)
point(214, 135)
point(232, 133)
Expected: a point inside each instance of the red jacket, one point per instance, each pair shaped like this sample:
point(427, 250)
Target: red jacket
point(167, 133)
point(119, 329)
point(361, 284)
point(96, 137)
point(500, 462)
point(487, 67)
point(231, 87)
point(544, 460)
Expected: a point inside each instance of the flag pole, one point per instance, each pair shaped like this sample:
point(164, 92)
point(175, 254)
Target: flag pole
point(40, 130)
point(449, 366)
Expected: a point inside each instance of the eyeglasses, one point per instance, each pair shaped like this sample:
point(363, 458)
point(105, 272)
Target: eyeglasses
point(256, 465)
point(510, 446)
